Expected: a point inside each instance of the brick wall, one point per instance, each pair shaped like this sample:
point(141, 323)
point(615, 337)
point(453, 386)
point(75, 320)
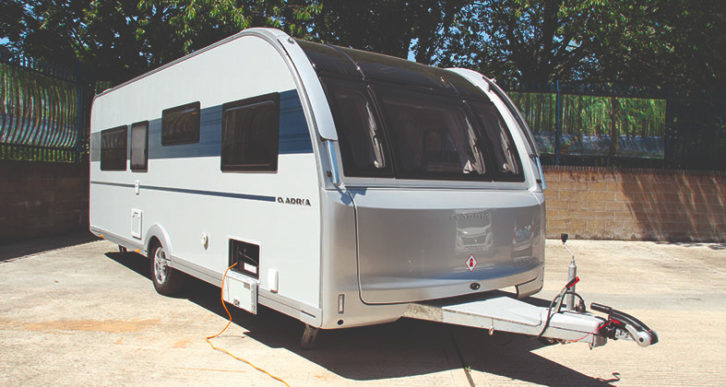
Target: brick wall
point(638, 204)
point(42, 199)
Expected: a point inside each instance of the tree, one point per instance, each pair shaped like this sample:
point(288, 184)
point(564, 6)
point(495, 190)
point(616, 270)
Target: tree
point(533, 41)
point(123, 38)
point(393, 27)
point(643, 42)
point(676, 43)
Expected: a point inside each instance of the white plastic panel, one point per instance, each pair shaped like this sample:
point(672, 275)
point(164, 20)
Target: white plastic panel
point(241, 292)
point(136, 215)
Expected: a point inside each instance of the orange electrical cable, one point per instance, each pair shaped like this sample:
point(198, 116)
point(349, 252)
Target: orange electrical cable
point(221, 296)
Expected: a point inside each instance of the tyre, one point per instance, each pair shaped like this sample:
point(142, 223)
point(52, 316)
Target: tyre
point(122, 249)
point(167, 281)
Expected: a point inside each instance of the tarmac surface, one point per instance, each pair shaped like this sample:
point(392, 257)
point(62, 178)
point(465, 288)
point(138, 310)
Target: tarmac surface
point(74, 311)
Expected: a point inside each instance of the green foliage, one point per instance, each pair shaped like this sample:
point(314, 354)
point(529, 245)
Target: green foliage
point(123, 38)
point(651, 42)
point(671, 44)
point(392, 27)
point(527, 40)
point(677, 43)
point(668, 43)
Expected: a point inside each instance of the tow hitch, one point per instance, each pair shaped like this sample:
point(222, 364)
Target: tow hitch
point(621, 325)
point(564, 321)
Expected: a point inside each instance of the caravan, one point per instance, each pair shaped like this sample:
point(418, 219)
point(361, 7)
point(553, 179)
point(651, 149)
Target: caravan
point(347, 188)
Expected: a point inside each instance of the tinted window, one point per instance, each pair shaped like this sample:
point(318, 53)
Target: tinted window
point(329, 60)
point(249, 133)
point(139, 146)
point(361, 139)
point(432, 136)
point(353, 64)
point(396, 70)
point(504, 153)
point(113, 149)
point(396, 118)
point(180, 125)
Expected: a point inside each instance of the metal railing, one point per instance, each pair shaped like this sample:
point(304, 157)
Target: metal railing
point(44, 111)
point(578, 123)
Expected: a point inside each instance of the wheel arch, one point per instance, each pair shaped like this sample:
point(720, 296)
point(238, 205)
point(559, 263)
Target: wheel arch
point(158, 234)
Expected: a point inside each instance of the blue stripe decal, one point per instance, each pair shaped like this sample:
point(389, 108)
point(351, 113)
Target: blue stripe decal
point(193, 191)
point(294, 133)
point(113, 184)
point(294, 136)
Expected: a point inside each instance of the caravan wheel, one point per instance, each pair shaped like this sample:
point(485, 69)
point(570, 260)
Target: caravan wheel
point(167, 281)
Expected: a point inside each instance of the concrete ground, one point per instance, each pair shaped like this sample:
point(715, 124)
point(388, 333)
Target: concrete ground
point(75, 312)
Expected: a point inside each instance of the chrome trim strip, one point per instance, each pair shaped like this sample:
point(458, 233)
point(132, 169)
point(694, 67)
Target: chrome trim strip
point(334, 173)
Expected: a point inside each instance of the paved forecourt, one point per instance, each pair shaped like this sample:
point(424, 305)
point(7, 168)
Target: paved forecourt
point(86, 314)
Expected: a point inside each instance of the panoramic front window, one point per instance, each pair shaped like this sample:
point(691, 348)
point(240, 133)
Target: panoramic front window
point(361, 139)
point(432, 136)
point(250, 130)
point(405, 120)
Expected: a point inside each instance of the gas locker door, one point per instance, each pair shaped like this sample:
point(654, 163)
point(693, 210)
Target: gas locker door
point(417, 244)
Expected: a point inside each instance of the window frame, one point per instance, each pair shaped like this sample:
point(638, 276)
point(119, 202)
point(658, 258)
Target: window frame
point(168, 139)
point(145, 166)
point(271, 165)
point(104, 162)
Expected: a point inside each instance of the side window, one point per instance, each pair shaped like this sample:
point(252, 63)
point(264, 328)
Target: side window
point(362, 142)
point(180, 125)
point(139, 146)
point(250, 130)
point(113, 149)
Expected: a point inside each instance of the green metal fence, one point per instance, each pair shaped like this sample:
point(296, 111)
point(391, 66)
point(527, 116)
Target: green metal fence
point(612, 125)
point(44, 111)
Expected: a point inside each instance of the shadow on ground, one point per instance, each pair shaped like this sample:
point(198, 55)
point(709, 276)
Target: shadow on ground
point(711, 245)
point(400, 349)
point(23, 248)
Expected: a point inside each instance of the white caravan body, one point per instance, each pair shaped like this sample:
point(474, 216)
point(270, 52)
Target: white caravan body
point(385, 183)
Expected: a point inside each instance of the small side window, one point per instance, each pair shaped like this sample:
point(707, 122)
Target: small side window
point(250, 130)
point(180, 125)
point(139, 146)
point(113, 149)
